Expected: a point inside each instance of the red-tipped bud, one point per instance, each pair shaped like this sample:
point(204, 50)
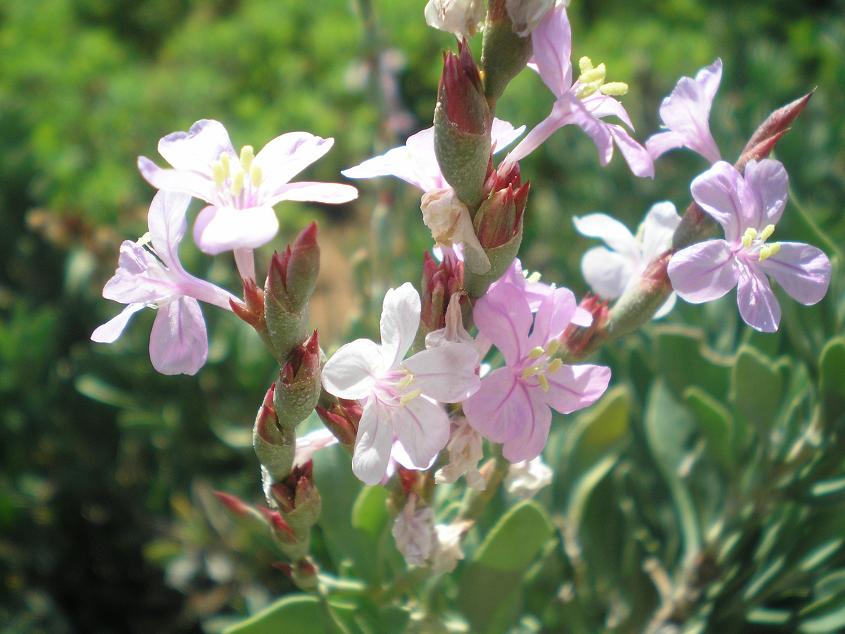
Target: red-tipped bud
point(576, 338)
point(274, 445)
point(303, 267)
point(297, 498)
point(342, 418)
point(299, 383)
point(778, 122)
point(499, 219)
point(462, 93)
point(234, 504)
point(281, 529)
point(439, 283)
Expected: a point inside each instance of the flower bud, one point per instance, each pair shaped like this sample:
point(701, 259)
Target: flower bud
point(293, 546)
point(298, 387)
point(460, 17)
point(297, 498)
point(505, 52)
point(235, 505)
point(439, 283)
point(576, 338)
point(274, 445)
point(341, 417)
point(775, 125)
point(462, 122)
point(290, 283)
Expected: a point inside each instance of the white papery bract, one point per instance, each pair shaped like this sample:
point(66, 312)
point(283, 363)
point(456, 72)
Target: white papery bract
point(414, 533)
point(524, 479)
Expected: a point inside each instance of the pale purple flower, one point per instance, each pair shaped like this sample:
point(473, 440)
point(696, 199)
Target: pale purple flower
point(748, 208)
point(240, 188)
point(415, 162)
point(150, 274)
point(585, 102)
point(311, 443)
point(400, 396)
point(610, 272)
point(686, 115)
point(513, 405)
point(535, 291)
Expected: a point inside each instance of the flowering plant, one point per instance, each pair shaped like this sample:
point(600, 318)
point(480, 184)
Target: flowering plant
point(451, 417)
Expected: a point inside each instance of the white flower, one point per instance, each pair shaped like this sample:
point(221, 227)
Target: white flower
point(447, 550)
point(414, 532)
point(399, 397)
point(460, 17)
point(525, 15)
point(448, 219)
point(609, 272)
point(525, 478)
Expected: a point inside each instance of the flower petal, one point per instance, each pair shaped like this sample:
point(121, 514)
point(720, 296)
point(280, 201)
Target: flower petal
point(607, 272)
point(196, 149)
point(397, 162)
point(610, 230)
point(504, 317)
point(353, 370)
point(533, 431)
point(718, 192)
point(596, 129)
point(219, 229)
point(178, 341)
point(139, 277)
point(574, 387)
point(499, 407)
point(635, 155)
point(445, 373)
point(758, 305)
point(422, 428)
point(802, 270)
point(287, 155)
point(767, 184)
point(502, 134)
point(327, 193)
point(400, 318)
point(310, 443)
point(657, 228)
point(703, 272)
point(167, 223)
point(601, 106)
point(551, 42)
point(555, 314)
point(113, 328)
point(660, 143)
point(667, 307)
point(372, 444)
point(535, 138)
point(193, 183)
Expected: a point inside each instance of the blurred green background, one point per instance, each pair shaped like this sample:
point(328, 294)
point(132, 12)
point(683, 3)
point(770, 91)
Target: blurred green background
point(106, 519)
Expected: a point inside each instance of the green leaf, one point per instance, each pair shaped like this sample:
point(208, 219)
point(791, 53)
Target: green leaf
point(756, 387)
point(827, 615)
point(716, 425)
point(684, 360)
point(369, 513)
point(832, 378)
point(669, 428)
point(295, 614)
point(489, 589)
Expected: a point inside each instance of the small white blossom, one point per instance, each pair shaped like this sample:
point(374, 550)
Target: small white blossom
point(525, 15)
point(465, 451)
point(414, 532)
point(526, 478)
point(447, 551)
point(448, 219)
point(460, 17)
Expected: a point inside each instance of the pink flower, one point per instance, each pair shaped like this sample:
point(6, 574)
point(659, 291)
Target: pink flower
point(584, 102)
point(240, 189)
point(748, 209)
point(400, 397)
point(415, 162)
point(686, 115)
point(150, 274)
point(513, 405)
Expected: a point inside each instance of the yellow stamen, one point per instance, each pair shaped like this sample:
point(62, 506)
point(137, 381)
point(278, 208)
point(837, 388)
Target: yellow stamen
point(554, 366)
point(225, 162)
point(544, 382)
point(530, 371)
point(749, 236)
point(596, 74)
point(219, 173)
point(534, 277)
point(614, 89)
point(553, 347)
point(145, 239)
point(247, 154)
point(410, 396)
point(768, 251)
point(536, 352)
point(406, 381)
point(585, 64)
point(767, 232)
point(238, 182)
point(587, 89)
point(255, 175)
